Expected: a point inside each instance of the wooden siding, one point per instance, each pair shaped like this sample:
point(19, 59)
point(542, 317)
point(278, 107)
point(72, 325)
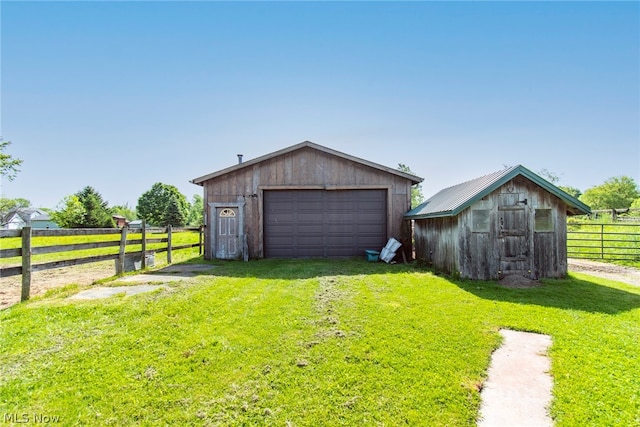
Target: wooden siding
point(453, 245)
point(436, 242)
point(306, 168)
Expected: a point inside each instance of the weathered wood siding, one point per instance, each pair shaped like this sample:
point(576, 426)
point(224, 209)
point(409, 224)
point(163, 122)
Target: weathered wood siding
point(436, 242)
point(306, 168)
point(455, 245)
point(478, 252)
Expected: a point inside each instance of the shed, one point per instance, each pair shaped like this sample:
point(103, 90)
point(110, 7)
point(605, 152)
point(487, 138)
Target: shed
point(304, 201)
point(510, 222)
point(119, 220)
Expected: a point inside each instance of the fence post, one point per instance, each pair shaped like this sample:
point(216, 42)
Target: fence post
point(601, 241)
point(143, 262)
point(26, 263)
point(169, 244)
point(200, 234)
point(121, 253)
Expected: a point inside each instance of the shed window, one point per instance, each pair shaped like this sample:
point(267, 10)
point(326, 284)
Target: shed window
point(480, 220)
point(543, 220)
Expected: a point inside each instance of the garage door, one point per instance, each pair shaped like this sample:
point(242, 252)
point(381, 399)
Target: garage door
point(320, 223)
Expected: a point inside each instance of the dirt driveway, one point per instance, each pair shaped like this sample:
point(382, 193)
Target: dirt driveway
point(619, 273)
point(42, 281)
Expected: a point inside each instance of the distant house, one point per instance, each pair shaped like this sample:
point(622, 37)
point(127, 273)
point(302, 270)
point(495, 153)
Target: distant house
point(305, 200)
point(511, 222)
point(18, 218)
point(43, 221)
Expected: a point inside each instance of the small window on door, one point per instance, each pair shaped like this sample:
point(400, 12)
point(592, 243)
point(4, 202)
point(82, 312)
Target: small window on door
point(227, 213)
point(480, 220)
point(543, 220)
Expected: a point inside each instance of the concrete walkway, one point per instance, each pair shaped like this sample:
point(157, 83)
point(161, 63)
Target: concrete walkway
point(517, 392)
point(167, 274)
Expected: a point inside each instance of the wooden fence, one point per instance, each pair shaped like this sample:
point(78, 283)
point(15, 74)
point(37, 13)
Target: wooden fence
point(604, 241)
point(26, 251)
point(624, 215)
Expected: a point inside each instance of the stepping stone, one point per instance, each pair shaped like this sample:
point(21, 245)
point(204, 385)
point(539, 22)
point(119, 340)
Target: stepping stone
point(103, 292)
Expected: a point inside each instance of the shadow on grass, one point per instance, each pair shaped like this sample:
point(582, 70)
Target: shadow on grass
point(567, 294)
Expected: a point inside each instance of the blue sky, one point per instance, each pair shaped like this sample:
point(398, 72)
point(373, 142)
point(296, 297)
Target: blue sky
point(120, 95)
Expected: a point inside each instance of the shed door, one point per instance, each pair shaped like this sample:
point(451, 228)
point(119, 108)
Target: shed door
point(227, 245)
point(321, 223)
point(514, 236)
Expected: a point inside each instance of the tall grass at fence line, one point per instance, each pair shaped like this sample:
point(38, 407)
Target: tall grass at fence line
point(604, 240)
point(177, 239)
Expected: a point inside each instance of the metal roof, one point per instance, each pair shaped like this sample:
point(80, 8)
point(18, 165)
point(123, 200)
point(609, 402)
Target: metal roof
point(200, 181)
point(453, 200)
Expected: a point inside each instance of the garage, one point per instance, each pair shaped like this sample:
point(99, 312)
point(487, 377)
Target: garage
point(320, 223)
point(304, 201)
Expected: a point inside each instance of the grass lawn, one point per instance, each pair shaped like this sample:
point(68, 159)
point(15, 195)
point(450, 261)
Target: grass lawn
point(314, 342)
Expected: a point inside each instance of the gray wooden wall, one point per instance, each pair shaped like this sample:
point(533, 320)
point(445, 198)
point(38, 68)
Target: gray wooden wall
point(306, 168)
point(451, 245)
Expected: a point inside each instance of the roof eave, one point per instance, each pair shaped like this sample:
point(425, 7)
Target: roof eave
point(579, 208)
point(200, 180)
point(430, 215)
point(521, 170)
point(575, 207)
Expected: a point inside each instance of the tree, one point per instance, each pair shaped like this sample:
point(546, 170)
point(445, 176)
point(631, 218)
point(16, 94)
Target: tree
point(125, 211)
point(615, 193)
point(174, 216)
point(96, 211)
point(196, 211)
point(69, 213)
point(416, 190)
point(549, 176)
point(153, 204)
point(7, 205)
point(85, 209)
point(9, 166)
point(572, 191)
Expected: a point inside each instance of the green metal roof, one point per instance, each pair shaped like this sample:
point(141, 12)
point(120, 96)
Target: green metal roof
point(453, 200)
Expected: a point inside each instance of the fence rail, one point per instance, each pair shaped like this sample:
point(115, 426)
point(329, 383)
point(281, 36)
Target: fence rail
point(27, 250)
point(604, 241)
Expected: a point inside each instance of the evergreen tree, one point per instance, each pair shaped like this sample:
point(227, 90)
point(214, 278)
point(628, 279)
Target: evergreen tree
point(96, 211)
point(174, 215)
